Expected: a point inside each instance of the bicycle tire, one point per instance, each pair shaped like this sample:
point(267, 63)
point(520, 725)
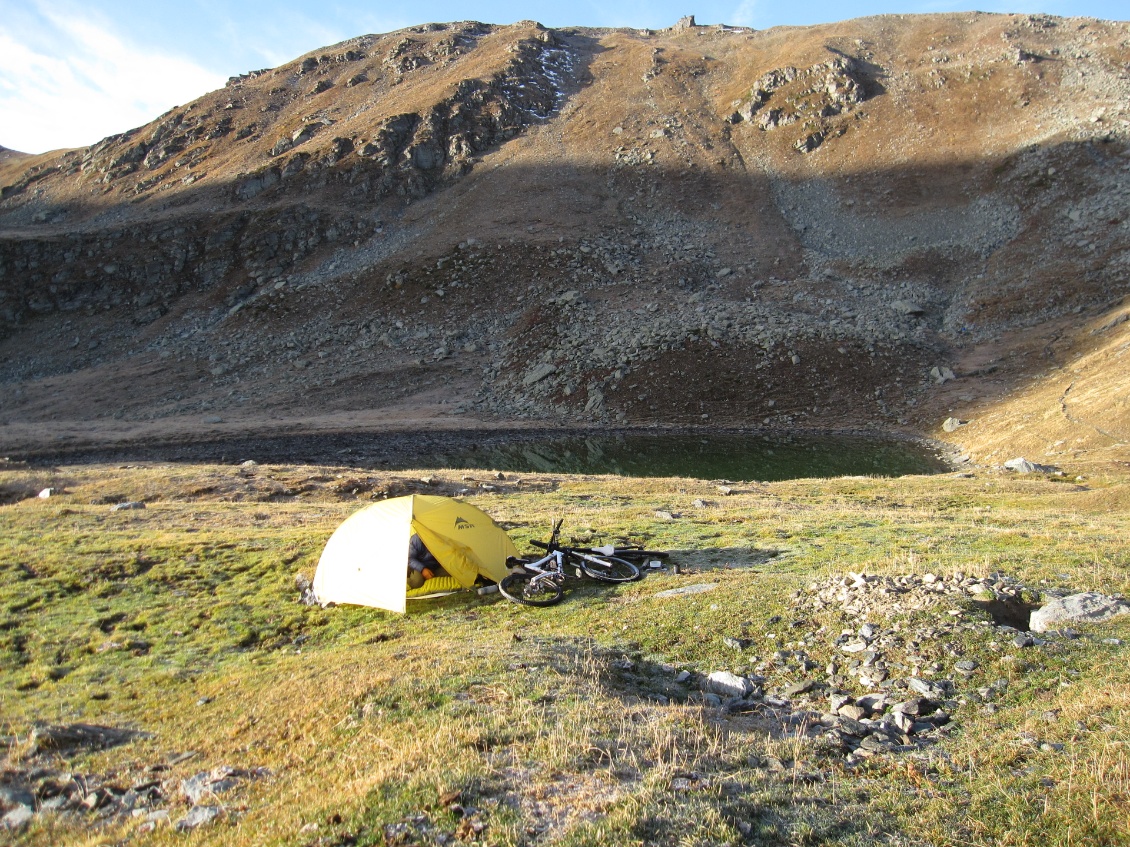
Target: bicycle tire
point(521, 588)
point(609, 568)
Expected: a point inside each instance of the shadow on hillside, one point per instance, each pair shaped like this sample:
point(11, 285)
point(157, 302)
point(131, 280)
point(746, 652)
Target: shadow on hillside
point(953, 234)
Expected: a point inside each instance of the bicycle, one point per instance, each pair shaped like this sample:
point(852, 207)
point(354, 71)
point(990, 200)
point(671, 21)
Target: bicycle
point(541, 581)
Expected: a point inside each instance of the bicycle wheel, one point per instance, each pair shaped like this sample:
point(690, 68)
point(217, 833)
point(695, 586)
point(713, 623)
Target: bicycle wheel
point(521, 588)
point(609, 568)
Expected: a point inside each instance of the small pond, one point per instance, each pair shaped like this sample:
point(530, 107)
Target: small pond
point(721, 456)
point(736, 456)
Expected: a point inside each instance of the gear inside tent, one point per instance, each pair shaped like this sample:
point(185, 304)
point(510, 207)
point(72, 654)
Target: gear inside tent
point(365, 561)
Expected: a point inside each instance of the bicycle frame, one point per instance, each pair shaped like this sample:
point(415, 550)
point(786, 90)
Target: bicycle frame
point(560, 556)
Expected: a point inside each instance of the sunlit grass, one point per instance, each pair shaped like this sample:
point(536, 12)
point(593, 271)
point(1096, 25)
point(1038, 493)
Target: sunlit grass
point(183, 619)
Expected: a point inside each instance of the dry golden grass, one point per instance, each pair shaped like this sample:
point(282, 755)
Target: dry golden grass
point(543, 720)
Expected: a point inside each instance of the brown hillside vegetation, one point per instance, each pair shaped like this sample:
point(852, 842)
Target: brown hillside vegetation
point(877, 224)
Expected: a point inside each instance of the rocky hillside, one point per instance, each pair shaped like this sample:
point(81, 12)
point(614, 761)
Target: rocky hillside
point(881, 223)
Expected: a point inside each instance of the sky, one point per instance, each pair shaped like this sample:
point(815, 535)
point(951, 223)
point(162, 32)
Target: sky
point(72, 73)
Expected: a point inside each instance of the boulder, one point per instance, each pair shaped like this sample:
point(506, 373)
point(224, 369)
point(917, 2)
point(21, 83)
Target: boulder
point(942, 374)
point(208, 784)
point(905, 307)
point(1087, 607)
point(1022, 465)
point(728, 684)
point(539, 373)
point(198, 816)
point(127, 507)
point(17, 818)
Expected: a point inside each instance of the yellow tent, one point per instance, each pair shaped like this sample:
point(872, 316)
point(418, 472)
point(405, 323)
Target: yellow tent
point(365, 561)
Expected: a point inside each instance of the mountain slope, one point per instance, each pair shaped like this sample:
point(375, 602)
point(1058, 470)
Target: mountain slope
point(459, 224)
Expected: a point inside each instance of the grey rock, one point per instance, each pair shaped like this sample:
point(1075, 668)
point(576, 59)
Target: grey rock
point(942, 374)
point(913, 706)
point(798, 688)
point(198, 816)
point(877, 743)
point(126, 507)
point(1087, 607)
point(1023, 640)
point(728, 684)
point(926, 688)
point(539, 373)
point(207, 784)
point(1023, 466)
point(966, 666)
point(953, 424)
point(16, 795)
point(851, 726)
point(906, 307)
point(17, 818)
point(873, 704)
point(904, 722)
point(838, 701)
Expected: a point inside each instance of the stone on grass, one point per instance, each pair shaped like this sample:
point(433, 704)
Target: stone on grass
point(1022, 465)
point(1087, 607)
point(17, 818)
point(798, 688)
point(206, 784)
point(198, 816)
point(925, 687)
point(728, 684)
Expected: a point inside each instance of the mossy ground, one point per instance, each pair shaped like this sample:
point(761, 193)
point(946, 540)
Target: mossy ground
point(183, 619)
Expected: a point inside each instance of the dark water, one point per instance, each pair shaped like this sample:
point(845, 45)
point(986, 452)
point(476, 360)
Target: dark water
point(736, 456)
point(745, 457)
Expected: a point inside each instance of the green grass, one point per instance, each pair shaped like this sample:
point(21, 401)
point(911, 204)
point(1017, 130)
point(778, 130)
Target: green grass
point(559, 724)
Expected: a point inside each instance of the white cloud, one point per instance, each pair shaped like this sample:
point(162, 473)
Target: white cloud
point(745, 14)
point(69, 81)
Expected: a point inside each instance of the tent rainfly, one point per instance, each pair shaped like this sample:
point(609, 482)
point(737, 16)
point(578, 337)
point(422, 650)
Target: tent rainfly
point(366, 559)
